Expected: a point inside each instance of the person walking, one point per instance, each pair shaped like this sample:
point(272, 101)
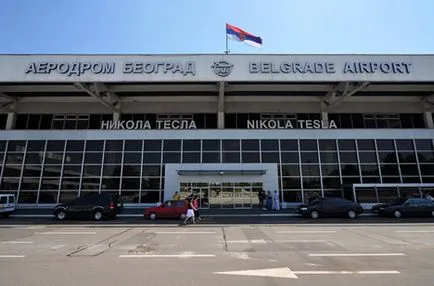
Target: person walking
point(196, 209)
point(276, 201)
point(190, 211)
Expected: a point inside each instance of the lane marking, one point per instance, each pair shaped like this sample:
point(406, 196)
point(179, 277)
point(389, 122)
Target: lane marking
point(12, 256)
point(301, 241)
point(253, 241)
point(66, 232)
point(166, 255)
point(185, 232)
point(283, 272)
point(345, 272)
point(353, 254)
point(306, 231)
point(17, 242)
point(415, 231)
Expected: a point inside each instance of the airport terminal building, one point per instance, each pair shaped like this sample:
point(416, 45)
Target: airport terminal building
point(223, 126)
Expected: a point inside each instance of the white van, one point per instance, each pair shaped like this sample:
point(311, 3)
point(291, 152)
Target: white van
point(7, 204)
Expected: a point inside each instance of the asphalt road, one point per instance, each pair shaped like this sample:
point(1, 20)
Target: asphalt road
point(43, 254)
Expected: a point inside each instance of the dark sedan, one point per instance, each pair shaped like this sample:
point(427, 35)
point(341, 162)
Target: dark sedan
point(377, 209)
point(330, 207)
point(411, 207)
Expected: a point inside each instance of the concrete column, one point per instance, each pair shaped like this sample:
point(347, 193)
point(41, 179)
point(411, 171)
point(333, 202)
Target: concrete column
point(220, 120)
point(11, 120)
point(427, 118)
point(221, 106)
point(324, 113)
point(116, 116)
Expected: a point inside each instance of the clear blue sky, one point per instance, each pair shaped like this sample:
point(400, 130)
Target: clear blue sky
point(197, 26)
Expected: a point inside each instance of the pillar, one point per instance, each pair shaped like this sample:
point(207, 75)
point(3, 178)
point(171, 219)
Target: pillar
point(221, 106)
point(324, 113)
point(427, 118)
point(11, 120)
point(220, 120)
point(116, 116)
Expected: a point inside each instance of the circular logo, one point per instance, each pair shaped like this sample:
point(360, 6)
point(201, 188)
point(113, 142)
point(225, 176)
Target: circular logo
point(222, 68)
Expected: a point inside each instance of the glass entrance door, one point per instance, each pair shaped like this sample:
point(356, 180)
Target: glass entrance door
point(224, 195)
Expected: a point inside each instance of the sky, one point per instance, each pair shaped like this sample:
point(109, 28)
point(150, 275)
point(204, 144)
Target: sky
point(198, 26)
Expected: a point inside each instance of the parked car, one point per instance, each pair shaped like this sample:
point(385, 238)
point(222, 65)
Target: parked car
point(410, 207)
point(92, 205)
point(377, 209)
point(170, 209)
point(330, 207)
point(7, 204)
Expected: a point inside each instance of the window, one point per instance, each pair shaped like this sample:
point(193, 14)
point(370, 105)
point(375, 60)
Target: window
point(70, 121)
point(382, 121)
point(191, 145)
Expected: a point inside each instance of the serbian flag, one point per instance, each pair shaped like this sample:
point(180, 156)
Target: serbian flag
point(239, 35)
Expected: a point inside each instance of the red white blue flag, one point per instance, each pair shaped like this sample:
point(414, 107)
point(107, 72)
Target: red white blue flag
point(240, 35)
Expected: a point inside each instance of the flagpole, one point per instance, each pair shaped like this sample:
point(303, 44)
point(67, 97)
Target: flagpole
point(226, 35)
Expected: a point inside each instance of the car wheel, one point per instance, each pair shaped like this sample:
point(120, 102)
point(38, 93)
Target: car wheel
point(397, 214)
point(97, 215)
point(6, 215)
point(60, 215)
point(432, 213)
point(314, 214)
point(153, 216)
point(182, 216)
point(352, 214)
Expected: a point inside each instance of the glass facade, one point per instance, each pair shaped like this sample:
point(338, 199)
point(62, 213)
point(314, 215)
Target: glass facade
point(42, 172)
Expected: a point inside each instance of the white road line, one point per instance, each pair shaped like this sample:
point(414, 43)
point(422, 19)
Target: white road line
point(166, 255)
point(17, 242)
point(345, 272)
point(301, 241)
point(66, 232)
point(12, 256)
point(415, 231)
point(353, 254)
point(253, 241)
point(185, 232)
point(306, 231)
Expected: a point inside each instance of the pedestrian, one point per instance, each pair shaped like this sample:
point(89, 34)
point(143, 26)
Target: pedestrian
point(276, 201)
point(261, 198)
point(176, 196)
point(269, 201)
point(196, 208)
point(190, 210)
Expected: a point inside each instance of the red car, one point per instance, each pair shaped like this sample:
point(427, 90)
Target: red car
point(170, 209)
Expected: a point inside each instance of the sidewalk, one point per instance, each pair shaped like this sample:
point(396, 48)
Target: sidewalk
point(204, 212)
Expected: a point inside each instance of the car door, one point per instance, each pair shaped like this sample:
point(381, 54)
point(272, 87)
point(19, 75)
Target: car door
point(169, 209)
point(411, 208)
point(80, 207)
point(424, 207)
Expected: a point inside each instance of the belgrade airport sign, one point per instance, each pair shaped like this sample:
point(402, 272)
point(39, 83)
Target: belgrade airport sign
point(197, 68)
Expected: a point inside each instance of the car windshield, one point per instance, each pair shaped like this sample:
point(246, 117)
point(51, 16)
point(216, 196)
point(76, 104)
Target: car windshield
point(315, 202)
point(397, 201)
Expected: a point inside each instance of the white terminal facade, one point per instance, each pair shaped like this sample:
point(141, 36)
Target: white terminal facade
point(222, 126)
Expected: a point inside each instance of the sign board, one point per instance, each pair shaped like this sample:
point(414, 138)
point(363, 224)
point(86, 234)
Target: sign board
point(212, 68)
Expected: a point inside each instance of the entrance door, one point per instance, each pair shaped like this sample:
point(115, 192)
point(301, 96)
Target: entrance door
point(242, 195)
point(204, 201)
point(227, 196)
point(214, 196)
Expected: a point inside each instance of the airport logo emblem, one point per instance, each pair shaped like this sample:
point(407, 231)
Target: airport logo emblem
point(222, 68)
